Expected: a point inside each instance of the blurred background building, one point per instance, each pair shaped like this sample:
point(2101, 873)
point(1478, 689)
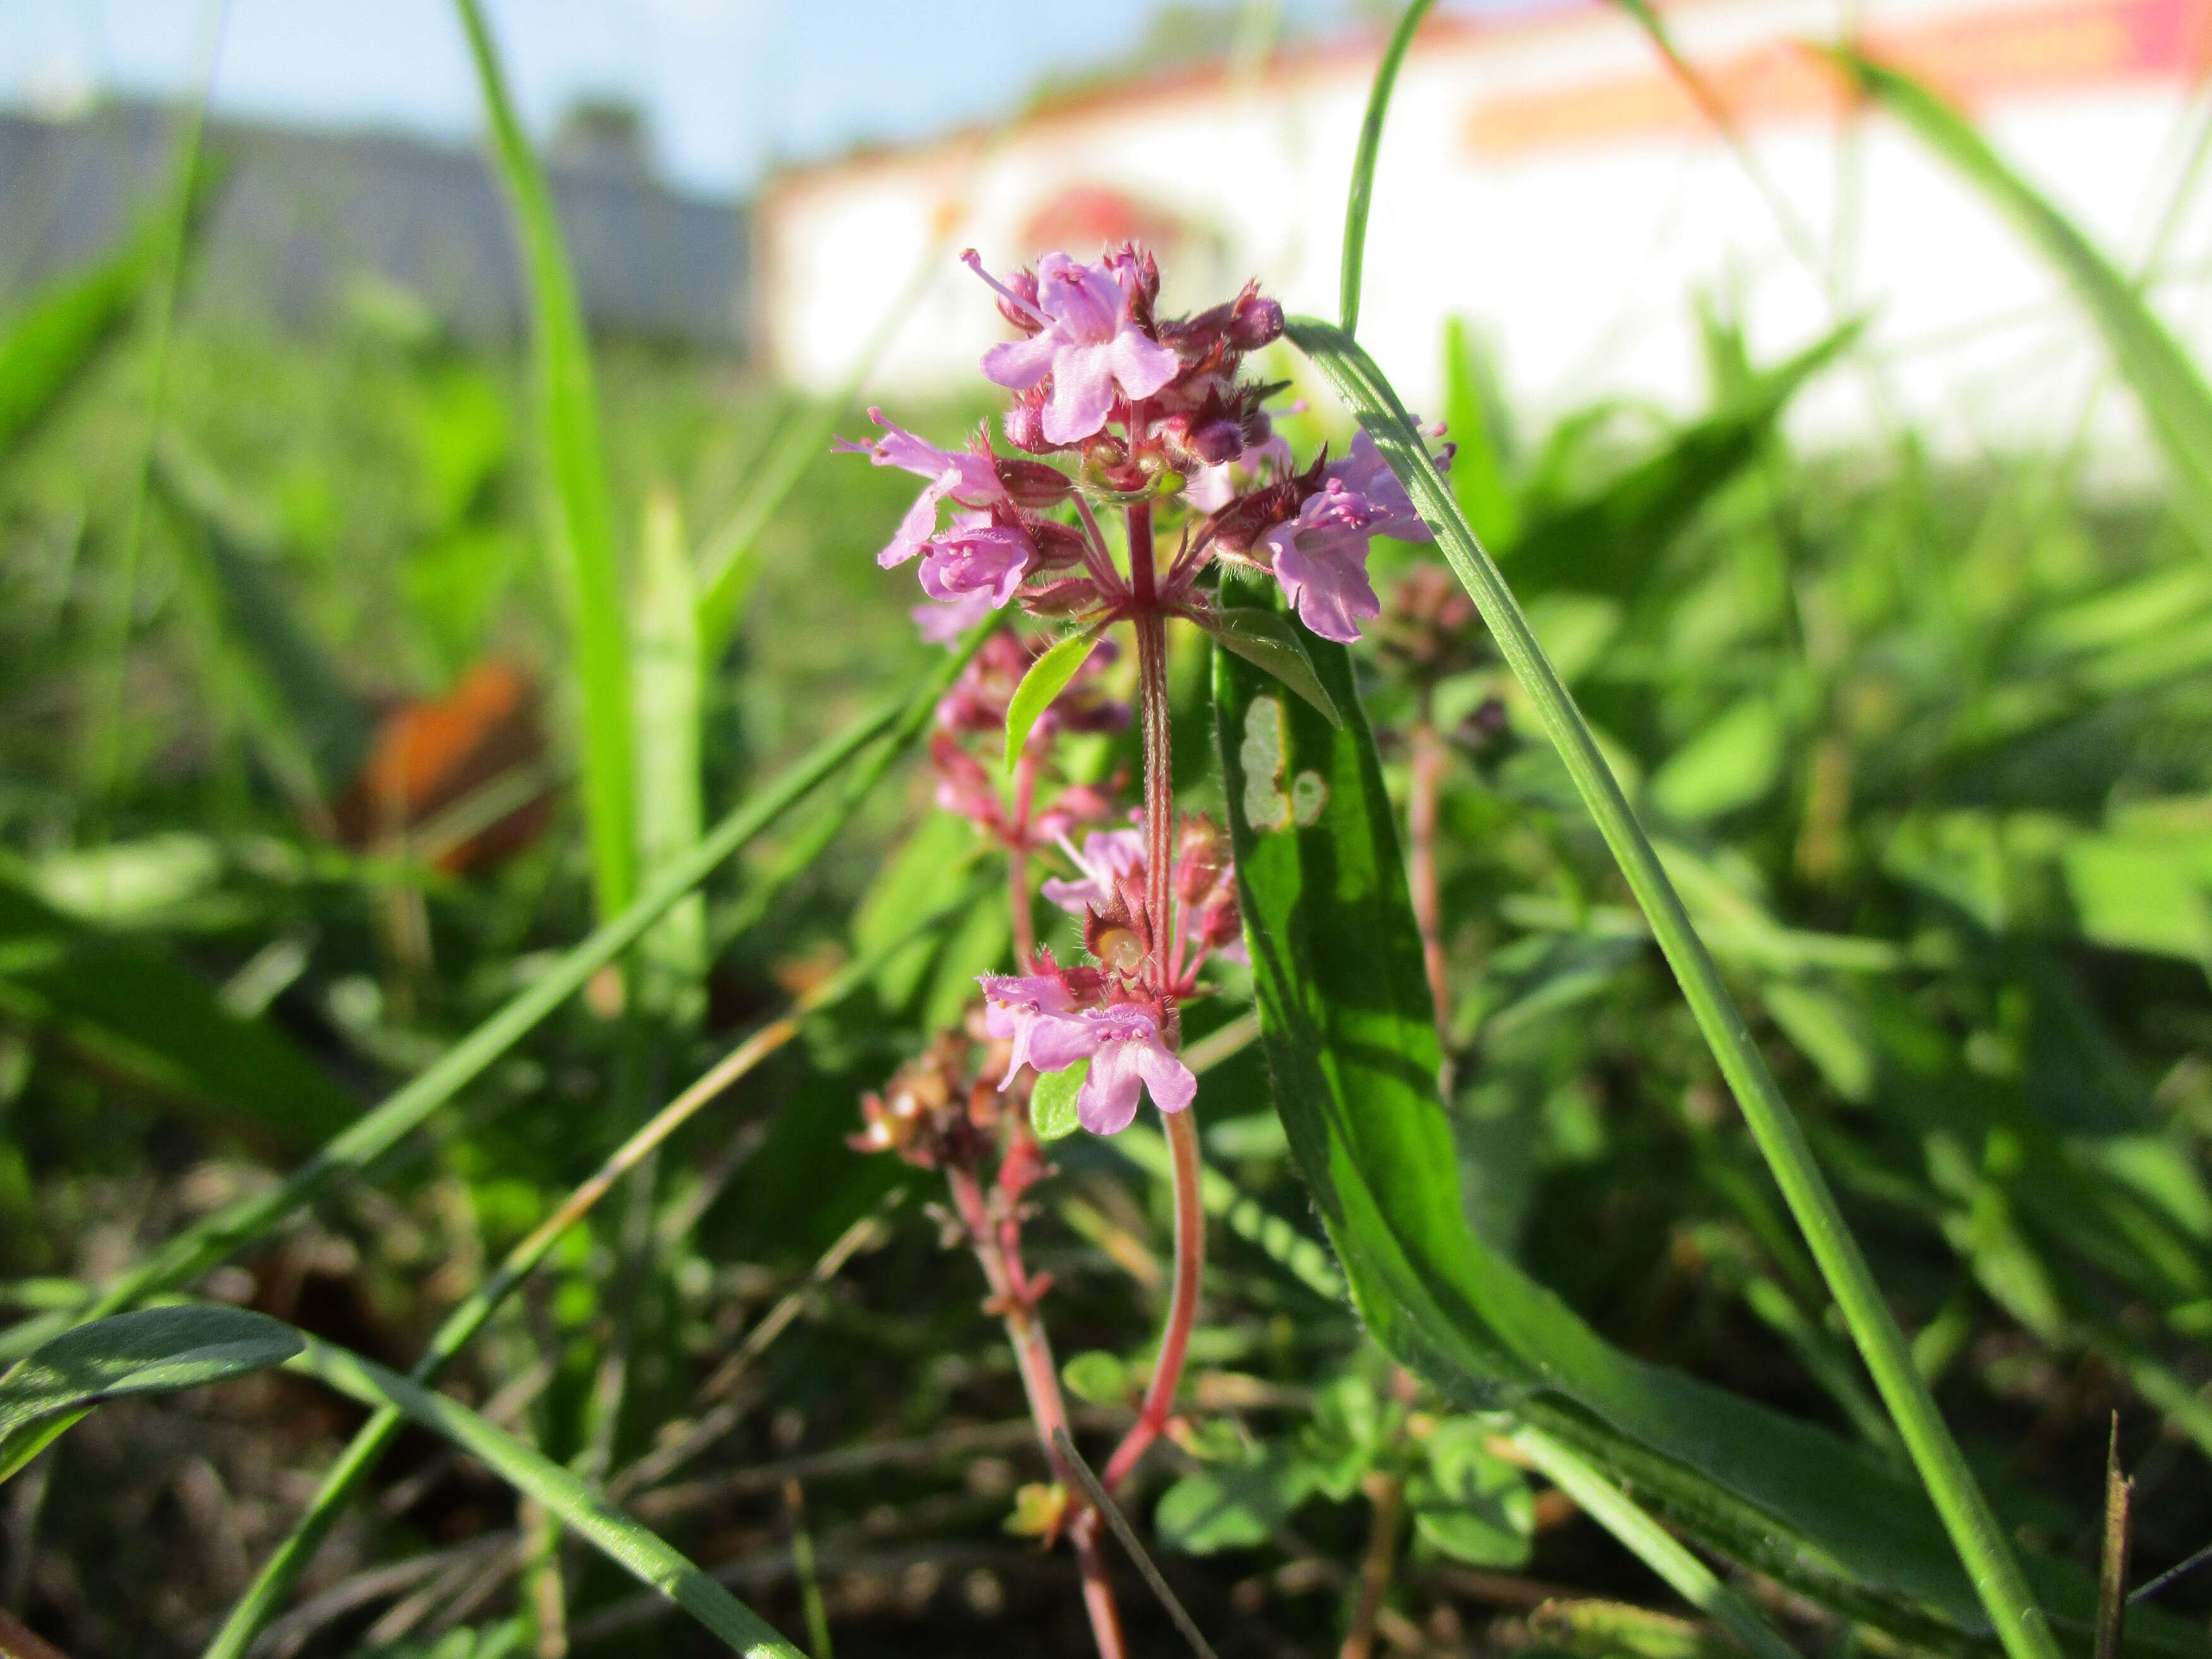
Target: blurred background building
point(303, 224)
point(1545, 175)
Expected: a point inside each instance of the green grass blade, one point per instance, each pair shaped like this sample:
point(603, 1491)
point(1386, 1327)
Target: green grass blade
point(1652, 1543)
point(1980, 1542)
point(1362, 161)
point(639, 1553)
point(2166, 380)
point(209, 1241)
point(580, 516)
point(50, 341)
point(671, 813)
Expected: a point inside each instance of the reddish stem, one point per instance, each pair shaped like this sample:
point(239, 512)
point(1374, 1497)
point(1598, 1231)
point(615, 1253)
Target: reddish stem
point(997, 1243)
point(1017, 864)
point(1182, 1309)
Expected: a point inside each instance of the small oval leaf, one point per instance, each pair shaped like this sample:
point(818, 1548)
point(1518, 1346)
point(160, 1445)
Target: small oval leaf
point(1048, 678)
point(1052, 1106)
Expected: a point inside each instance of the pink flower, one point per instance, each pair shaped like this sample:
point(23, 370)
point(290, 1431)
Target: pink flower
point(1015, 1006)
point(945, 623)
point(976, 556)
point(1107, 856)
point(967, 477)
point(1087, 341)
point(1320, 557)
point(1123, 1044)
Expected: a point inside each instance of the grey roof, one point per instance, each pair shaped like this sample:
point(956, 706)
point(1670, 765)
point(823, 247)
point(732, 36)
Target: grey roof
point(302, 214)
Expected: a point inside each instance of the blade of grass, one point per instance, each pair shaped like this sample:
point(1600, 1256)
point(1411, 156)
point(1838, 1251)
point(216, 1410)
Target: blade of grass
point(1362, 161)
point(579, 515)
point(1650, 1542)
point(209, 1241)
point(106, 752)
point(641, 1553)
point(1980, 1542)
point(672, 957)
point(281, 1572)
point(2166, 380)
point(1101, 1500)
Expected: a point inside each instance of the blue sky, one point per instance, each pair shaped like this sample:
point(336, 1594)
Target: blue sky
point(729, 85)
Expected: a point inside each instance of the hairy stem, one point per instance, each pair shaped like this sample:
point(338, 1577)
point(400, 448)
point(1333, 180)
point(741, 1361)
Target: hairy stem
point(1017, 864)
point(997, 1246)
point(1183, 1310)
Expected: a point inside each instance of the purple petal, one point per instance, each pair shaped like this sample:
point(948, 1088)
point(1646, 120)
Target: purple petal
point(1107, 1100)
point(1058, 1041)
point(1327, 583)
point(1173, 1084)
point(1142, 366)
point(1076, 897)
point(1017, 365)
point(1082, 394)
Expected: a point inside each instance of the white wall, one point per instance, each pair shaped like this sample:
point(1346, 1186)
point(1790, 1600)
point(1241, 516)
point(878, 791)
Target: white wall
point(1579, 260)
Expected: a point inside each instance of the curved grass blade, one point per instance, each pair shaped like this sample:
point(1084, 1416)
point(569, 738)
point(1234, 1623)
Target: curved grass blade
point(153, 1350)
point(579, 513)
point(282, 1570)
point(2166, 380)
point(1045, 679)
point(209, 1241)
point(1363, 161)
point(1652, 1543)
point(639, 1553)
point(1998, 1581)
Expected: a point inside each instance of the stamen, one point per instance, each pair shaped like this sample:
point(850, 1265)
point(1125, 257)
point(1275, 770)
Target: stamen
point(974, 261)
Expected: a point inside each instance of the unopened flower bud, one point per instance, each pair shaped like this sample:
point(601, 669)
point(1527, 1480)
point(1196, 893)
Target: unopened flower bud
point(1032, 483)
point(1254, 321)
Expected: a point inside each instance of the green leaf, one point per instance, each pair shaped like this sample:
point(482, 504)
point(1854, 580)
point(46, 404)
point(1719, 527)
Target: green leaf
point(1469, 1504)
point(1346, 1435)
point(1346, 1023)
point(1271, 642)
point(1733, 763)
point(579, 514)
point(1098, 1377)
point(156, 1350)
point(1048, 677)
point(2166, 380)
point(1052, 1103)
point(1231, 1506)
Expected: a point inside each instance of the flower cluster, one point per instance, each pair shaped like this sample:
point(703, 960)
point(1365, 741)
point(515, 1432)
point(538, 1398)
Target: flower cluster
point(1116, 1017)
point(1143, 409)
